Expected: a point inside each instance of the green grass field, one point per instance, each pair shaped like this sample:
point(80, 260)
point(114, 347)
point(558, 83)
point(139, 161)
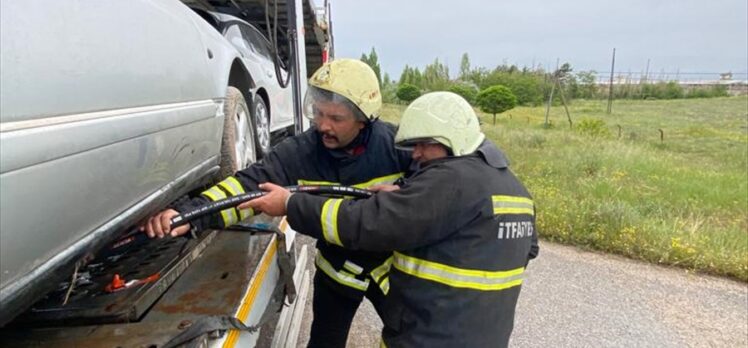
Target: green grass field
point(679, 201)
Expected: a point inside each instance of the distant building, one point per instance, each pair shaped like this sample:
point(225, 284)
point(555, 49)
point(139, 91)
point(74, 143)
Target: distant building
point(733, 87)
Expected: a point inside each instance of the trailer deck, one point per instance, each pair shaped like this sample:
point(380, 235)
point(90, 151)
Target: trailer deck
point(234, 275)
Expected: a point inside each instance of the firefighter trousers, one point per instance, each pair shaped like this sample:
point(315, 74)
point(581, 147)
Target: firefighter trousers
point(333, 313)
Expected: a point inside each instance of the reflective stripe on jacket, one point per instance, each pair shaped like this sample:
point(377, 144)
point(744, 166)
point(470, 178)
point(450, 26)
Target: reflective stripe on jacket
point(463, 230)
point(303, 160)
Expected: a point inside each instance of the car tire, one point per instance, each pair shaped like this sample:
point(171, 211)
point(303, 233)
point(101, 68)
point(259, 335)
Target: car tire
point(238, 148)
point(261, 119)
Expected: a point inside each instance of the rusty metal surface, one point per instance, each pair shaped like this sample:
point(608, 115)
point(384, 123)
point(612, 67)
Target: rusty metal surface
point(214, 284)
point(135, 257)
point(218, 281)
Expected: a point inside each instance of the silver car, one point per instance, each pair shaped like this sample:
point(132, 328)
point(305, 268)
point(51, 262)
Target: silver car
point(272, 106)
point(109, 110)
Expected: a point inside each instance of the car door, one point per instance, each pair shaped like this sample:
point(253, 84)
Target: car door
point(280, 98)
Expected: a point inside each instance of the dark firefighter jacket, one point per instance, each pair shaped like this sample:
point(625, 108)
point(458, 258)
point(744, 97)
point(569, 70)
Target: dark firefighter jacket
point(463, 230)
point(302, 160)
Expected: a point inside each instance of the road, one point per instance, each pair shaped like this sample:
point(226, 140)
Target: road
point(574, 298)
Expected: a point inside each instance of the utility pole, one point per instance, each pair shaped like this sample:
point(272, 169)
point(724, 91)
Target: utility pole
point(548, 106)
point(644, 79)
point(555, 79)
point(610, 90)
point(563, 100)
point(550, 98)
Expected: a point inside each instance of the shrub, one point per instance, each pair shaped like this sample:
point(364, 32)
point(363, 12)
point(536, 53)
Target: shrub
point(711, 92)
point(672, 91)
point(407, 92)
point(593, 127)
point(465, 91)
point(662, 90)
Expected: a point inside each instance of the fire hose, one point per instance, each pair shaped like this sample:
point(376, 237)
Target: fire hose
point(233, 201)
point(286, 287)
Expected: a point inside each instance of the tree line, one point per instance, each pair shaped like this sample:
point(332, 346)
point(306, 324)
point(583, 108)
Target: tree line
point(529, 86)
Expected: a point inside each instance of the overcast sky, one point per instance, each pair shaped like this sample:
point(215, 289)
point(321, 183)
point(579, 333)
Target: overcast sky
point(688, 36)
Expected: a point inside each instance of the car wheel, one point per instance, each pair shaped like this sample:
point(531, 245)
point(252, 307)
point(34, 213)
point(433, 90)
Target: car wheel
point(238, 144)
point(261, 119)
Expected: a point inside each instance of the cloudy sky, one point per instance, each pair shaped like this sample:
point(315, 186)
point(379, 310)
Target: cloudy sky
point(684, 36)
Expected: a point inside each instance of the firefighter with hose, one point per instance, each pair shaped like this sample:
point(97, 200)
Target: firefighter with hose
point(457, 269)
point(346, 145)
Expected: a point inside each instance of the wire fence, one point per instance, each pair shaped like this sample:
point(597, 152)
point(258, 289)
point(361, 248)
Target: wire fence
point(681, 77)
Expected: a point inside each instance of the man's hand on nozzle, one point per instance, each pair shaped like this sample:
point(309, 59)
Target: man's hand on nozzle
point(273, 203)
point(384, 188)
point(159, 225)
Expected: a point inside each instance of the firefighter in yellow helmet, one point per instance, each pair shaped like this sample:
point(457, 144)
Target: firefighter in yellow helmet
point(457, 270)
point(346, 145)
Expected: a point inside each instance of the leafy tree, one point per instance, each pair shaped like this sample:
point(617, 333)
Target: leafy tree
point(530, 87)
point(587, 88)
point(407, 92)
point(466, 91)
point(496, 99)
point(389, 93)
point(566, 80)
point(386, 80)
point(435, 77)
point(411, 76)
point(389, 89)
point(564, 72)
point(477, 76)
point(373, 61)
point(465, 67)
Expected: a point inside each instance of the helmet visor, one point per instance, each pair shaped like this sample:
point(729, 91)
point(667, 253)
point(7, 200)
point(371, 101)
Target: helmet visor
point(315, 97)
point(410, 144)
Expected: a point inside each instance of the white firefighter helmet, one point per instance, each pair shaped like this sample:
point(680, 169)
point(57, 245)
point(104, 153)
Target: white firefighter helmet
point(444, 117)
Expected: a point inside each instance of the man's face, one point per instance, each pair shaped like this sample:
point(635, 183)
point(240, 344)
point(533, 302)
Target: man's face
point(336, 123)
point(423, 152)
